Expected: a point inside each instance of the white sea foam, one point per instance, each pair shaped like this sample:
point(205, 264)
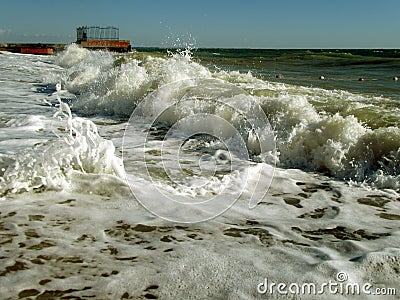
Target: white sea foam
point(316, 129)
point(310, 134)
point(77, 147)
point(72, 55)
point(116, 89)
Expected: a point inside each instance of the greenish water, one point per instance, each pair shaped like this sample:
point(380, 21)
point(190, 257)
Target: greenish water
point(341, 68)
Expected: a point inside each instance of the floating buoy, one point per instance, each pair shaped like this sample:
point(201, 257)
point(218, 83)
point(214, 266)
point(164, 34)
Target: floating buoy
point(395, 78)
point(279, 76)
point(322, 77)
point(361, 79)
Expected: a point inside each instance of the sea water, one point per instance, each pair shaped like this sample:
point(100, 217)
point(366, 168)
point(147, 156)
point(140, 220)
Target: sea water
point(198, 174)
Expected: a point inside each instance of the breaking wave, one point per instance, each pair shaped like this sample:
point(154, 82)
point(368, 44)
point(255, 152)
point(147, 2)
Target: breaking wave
point(328, 131)
point(317, 130)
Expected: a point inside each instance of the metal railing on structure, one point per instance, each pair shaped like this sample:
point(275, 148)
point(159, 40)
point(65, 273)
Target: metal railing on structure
point(87, 33)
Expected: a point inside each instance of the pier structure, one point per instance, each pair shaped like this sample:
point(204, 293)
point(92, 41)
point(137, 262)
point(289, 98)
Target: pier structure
point(32, 48)
point(91, 37)
point(96, 37)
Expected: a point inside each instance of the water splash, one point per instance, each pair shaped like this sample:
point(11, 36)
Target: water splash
point(77, 148)
point(328, 131)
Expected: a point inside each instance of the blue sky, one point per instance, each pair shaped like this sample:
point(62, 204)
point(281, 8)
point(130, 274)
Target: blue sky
point(210, 23)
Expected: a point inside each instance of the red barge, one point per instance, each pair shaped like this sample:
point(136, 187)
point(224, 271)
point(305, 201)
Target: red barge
point(32, 48)
point(91, 37)
point(37, 50)
point(95, 37)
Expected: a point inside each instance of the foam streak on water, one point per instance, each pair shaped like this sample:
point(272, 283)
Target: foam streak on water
point(70, 226)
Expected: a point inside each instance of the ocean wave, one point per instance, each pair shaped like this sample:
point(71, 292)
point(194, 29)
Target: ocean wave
point(340, 146)
point(108, 85)
point(318, 130)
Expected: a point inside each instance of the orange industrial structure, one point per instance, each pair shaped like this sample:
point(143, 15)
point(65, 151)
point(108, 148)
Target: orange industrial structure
point(91, 37)
point(32, 48)
point(37, 50)
point(95, 37)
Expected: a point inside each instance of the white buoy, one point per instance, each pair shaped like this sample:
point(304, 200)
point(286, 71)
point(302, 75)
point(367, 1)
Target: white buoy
point(322, 77)
point(395, 78)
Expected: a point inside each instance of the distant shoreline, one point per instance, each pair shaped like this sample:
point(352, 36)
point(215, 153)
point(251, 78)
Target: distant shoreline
point(375, 52)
